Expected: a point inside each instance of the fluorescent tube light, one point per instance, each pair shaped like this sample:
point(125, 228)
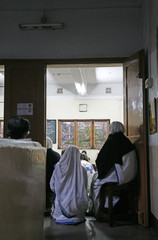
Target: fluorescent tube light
point(36, 26)
point(80, 88)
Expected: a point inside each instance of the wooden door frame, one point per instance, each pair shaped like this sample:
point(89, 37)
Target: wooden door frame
point(140, 140)
point(79, 61)
point(39, 106)
point(68, 61)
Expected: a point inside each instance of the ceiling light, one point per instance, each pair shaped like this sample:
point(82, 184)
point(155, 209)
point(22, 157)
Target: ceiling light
point(38, 26)
point(80, 88)
point(79, 80)
point(42, 25)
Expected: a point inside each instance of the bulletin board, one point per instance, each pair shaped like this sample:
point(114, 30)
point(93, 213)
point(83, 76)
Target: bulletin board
point(51, 130)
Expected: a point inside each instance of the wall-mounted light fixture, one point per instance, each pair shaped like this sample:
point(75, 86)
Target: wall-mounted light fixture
point(38, 26)
point(108, 90)
point(83, 107)
point(42, 25)
point(59, 90)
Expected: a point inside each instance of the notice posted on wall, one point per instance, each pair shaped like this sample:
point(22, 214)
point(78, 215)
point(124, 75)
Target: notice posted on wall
point(24, 109)
point(51, 130)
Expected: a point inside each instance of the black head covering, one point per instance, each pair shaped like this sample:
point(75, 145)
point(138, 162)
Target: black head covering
point(115, 147)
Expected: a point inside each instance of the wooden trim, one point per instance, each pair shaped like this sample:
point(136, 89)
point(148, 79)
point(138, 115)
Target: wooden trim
point(125, 98)
point(83, 120)
point(33, 74)
point(140, 138)
point(59, 134)
point(92, 135)
point(75, 133)
point(68, 61)
point(107, 133)
point(92, 130)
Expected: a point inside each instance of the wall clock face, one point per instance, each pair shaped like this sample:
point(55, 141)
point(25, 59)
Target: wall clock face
point(83, 107)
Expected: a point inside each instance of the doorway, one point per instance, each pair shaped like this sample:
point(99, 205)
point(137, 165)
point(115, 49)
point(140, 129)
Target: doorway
point(133, 71)
point(32, 74)
point(83, 92)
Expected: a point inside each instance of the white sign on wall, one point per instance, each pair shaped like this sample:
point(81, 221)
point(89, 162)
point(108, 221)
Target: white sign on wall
point(24, 108)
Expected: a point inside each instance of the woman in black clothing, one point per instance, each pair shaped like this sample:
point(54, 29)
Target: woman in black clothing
point(116, 162)
point(52, 158)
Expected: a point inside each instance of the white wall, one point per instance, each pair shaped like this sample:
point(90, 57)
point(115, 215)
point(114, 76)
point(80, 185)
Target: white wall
point(1, 99)
point(150, 25)
point(1, 110)
point(97, 109)
point(91, 31)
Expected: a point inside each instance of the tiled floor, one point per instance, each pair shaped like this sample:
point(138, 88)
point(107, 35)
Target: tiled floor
point(91, 230)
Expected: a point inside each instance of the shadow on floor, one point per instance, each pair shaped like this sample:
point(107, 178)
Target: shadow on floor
point(94, 230)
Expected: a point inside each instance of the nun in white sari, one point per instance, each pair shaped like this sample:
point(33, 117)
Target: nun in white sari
point(69, 182)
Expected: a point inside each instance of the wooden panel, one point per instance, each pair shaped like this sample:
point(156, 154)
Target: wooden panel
point(136, 127)
point(135, 98)
point(25, 83)
point(59, 134)
point(108, 123)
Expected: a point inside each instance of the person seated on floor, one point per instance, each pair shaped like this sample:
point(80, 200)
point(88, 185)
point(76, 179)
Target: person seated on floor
point(84, 153)
point(18, 128)
point(69, 182)
point(110, 166)
point(52, 158)
point(89, 168)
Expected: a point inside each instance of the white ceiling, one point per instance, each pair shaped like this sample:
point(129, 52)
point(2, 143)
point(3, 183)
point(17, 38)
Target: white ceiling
point(69, 75)
point(66, 77)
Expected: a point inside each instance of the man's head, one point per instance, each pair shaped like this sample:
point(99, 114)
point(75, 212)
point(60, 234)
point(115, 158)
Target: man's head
point(18, 127)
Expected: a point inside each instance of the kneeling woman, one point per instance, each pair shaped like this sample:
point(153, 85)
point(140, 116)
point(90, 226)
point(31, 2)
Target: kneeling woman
point(69, 182)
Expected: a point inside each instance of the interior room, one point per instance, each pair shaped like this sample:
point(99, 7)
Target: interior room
point(99, 88)
point(51, 53)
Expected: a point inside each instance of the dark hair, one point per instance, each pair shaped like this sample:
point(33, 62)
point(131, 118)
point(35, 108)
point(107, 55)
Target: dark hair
point(84, 152)
point(83, 157)
point(17, 127)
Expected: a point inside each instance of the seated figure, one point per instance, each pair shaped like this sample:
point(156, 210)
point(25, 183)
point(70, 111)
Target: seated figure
point(51, 160)
point(18, 128)
point(116, 162)
point(69, 182)
point(85, 156)
point(89, 169)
